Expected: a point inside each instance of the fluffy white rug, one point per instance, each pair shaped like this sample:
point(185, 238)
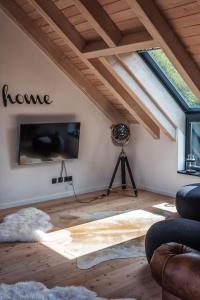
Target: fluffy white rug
point(37, 291)
point(26, 225)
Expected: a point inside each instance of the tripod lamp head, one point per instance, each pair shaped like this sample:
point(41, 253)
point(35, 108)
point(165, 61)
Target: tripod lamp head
point(120, 134)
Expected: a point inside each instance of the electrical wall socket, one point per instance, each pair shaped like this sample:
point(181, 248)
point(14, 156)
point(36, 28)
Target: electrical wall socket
point(54, 180)
point(60, 179)
point(67, 178)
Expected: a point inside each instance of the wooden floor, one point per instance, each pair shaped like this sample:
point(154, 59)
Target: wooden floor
point(112, 279)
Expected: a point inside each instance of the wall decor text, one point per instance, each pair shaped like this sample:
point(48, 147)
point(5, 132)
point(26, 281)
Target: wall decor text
point(21, 99)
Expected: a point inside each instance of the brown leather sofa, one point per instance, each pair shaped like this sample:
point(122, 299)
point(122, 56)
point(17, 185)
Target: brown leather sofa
point(176, 268)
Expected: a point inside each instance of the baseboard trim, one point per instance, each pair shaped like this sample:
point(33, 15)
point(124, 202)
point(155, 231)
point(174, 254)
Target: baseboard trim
point(79, 192)
point(53, 196)
point(156, 190)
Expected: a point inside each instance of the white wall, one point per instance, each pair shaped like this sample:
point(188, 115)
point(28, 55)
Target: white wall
point(25, 68)
point(156, 162)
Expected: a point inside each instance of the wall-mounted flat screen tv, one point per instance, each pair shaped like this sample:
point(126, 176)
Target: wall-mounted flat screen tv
point(39, 143)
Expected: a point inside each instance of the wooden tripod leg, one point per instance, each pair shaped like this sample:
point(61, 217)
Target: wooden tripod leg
point(123, 172)
point(113, 176)
point(131, 176)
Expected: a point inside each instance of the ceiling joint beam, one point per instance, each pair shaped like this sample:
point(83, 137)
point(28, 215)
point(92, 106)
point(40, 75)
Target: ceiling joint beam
point(100, 21)
point(129, 43)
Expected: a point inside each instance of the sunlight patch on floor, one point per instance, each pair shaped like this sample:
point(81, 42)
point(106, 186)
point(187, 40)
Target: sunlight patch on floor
point(166, 206)
point(90, 237)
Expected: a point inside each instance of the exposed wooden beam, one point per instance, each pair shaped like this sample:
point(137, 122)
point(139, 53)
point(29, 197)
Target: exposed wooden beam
point(166, 124)
point(129, 43)
point(54, 22)
point(142, 99)
point(161, 31)
point(143, 87)
point(62, 27)
point(59, 23)
point(100, 21)
point(109, 77)
point(58, 57)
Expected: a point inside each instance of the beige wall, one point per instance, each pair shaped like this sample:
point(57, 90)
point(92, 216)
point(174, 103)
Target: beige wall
point(25, 68)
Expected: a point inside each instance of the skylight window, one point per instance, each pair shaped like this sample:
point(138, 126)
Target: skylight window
point(169, 76)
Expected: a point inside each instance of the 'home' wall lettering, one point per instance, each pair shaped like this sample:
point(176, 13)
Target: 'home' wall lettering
point(20, 99)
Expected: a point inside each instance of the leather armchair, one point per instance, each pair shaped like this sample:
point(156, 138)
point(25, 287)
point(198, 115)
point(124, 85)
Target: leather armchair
point(176, 268)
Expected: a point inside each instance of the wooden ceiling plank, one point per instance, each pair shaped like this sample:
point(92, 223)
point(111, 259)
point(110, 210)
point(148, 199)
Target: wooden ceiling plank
point(182, 11)
point(129, 43)
point(61, 4)
point(55, 54)
point(115, 7)
point(100, 21)
point(124, 97)
point(129, 26)
point(189, 31)
point(122, 15)
point(186, 21)
point(160, 30)
point(50, 12)
point(171, 3)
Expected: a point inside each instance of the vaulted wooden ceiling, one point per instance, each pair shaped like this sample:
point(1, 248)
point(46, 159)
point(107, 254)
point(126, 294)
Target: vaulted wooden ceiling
point(78, 34)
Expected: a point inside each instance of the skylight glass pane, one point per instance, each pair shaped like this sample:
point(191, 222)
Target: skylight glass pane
point(164, 63)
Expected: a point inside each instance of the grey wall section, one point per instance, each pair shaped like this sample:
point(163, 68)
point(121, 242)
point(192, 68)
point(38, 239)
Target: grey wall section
point(25, 68)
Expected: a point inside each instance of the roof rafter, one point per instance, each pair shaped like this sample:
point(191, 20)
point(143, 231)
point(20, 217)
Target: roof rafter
point(100, 21)
point(129, 43)
point(59, 23)
point(133, 88)
point(109, 32)
point(143, 87)
point(53, 16)
point(145, 99)
point(102, 66)
point(58, 57)
point(160, 30)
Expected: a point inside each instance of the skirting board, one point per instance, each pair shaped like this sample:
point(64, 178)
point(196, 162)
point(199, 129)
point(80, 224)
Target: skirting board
point(53, 196)
point(79, 192)
point(156, 190)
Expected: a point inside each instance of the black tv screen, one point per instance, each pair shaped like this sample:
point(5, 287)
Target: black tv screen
point(48, 142)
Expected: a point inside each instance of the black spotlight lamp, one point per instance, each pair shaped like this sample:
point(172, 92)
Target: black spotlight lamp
point(120, 135)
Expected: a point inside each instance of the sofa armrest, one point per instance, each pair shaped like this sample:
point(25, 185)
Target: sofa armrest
point(177, 269)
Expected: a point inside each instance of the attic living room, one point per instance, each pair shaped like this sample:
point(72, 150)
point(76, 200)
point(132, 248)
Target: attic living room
point(100, 149)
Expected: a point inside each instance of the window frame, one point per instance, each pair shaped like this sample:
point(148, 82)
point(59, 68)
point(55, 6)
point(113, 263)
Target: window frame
point(166, 82)
point(190, 117)
point(192, 114)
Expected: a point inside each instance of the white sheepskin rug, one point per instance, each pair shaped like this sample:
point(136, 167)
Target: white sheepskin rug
point(37, 291)
point(26, 225)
